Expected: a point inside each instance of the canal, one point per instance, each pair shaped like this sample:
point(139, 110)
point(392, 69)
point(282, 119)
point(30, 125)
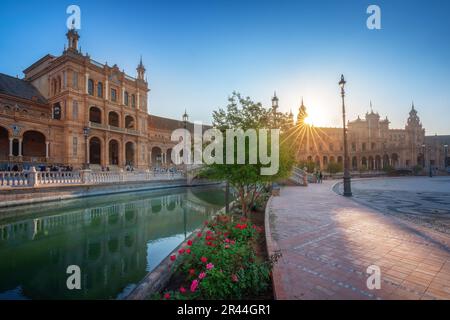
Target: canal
point(115, 240)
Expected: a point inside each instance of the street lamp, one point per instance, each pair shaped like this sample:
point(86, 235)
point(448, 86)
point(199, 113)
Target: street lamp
point(423, 156)
point(347, 182)
point(86, 131)
point(185, 120)
point(446, 155)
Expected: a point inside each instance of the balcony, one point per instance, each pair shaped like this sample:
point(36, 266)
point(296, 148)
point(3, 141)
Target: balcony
point(95, 125)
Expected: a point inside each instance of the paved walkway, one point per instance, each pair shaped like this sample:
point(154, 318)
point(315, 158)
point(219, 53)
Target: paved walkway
point(328, 241)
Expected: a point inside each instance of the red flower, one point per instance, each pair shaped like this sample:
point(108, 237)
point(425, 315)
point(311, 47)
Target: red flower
point(227, 240)
point(189, 243)
point(173, 257)
point(182, 290)
point(199, 234)
point(232, 242)
point(167, 296)
point(209, 243)
point(209, 232)
point(234, 278)
point(208, 238)
point(191, 272)
point(181, 251)
point(204, 259)
point(205, 223)
point(188, 251)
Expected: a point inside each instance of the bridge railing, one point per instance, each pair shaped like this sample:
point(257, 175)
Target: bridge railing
point(33, 178)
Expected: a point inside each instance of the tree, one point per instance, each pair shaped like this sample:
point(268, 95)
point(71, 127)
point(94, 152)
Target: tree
point(246, 179)
point(334, 167)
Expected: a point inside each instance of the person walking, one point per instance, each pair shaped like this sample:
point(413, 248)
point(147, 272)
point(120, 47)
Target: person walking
point(320, 176)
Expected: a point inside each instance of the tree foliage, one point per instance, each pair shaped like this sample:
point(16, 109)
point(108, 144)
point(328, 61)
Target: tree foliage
point(246, 179)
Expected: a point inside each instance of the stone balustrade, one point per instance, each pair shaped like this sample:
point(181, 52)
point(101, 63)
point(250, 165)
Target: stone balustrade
point(33, 178)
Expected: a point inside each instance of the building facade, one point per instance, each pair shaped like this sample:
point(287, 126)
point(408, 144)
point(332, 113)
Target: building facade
point(71, 110)
point(372, 144)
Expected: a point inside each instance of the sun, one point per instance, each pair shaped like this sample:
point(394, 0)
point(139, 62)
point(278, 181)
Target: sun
point(309, 120)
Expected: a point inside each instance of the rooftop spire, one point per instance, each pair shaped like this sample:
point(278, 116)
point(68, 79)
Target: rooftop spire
point(140, 69)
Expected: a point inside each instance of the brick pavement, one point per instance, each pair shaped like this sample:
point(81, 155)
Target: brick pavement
point(328, 241)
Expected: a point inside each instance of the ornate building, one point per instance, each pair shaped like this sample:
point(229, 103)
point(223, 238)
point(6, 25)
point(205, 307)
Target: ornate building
point(372, 144)
point(72, 110)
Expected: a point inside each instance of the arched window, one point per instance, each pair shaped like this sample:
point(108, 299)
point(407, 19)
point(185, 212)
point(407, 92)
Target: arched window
point(100, 90)
point(129, 122)
point(95, 115)
point(125, 98)
point(91, 87)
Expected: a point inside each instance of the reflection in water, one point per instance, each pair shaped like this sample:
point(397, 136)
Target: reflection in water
point(115, 242)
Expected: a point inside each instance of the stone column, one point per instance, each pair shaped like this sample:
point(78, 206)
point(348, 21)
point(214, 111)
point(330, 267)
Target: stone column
point(106, 89)
point(47, 149)
point(11, 141)
point(87, 82)
point(138, 97)
point(20, 147)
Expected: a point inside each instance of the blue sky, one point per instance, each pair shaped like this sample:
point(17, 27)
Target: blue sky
point(197, 52)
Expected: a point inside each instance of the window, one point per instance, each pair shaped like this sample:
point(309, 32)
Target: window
point(353, 146)
point(100, 90)
point(57, 111)
point(75, 110)
point(125, 98)
point(75, 80)
point(133, 101)
point(75, 146)
point(113, 95)
point(364, 146)
point(373, 146)
point(91, 87)
point(331, 147)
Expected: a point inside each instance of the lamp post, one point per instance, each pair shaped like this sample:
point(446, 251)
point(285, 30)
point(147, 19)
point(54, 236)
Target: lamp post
point(445, 155)
point(423, 156)
point(185, 120)
point(86, 131)
point(347, 182)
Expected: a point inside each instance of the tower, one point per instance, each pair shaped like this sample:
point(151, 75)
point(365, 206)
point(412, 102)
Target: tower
point(72, 37)
point(275, 102)
point(140, 70)
point(302, 114)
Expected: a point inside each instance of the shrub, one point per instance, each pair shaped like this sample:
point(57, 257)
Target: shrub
point(220, 263)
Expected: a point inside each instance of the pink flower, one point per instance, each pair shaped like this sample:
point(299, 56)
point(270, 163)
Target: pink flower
point(188, 251)
point(202, 275)
point(227, 240)
point(233, 242)
point(194, 285)
point(173, 257)
point(167, 296)
point(209, 232)
point(181, 251)
point(203, 259)
point(227, 246)
point(189, 243)
point(191, 272)
point(205, 223)
point(182, 290)
point(234, 278)
point(199, 234)
point(209, 266)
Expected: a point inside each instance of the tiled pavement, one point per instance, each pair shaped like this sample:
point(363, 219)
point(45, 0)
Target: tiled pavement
point(327, 242)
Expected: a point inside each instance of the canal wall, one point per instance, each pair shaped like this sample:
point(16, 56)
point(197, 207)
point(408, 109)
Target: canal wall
point(28, 195)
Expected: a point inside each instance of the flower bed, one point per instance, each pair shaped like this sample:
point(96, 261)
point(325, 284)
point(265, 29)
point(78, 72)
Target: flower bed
point(223, 262)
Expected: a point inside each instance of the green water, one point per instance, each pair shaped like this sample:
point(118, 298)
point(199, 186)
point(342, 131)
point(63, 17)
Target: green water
point(115, 240)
